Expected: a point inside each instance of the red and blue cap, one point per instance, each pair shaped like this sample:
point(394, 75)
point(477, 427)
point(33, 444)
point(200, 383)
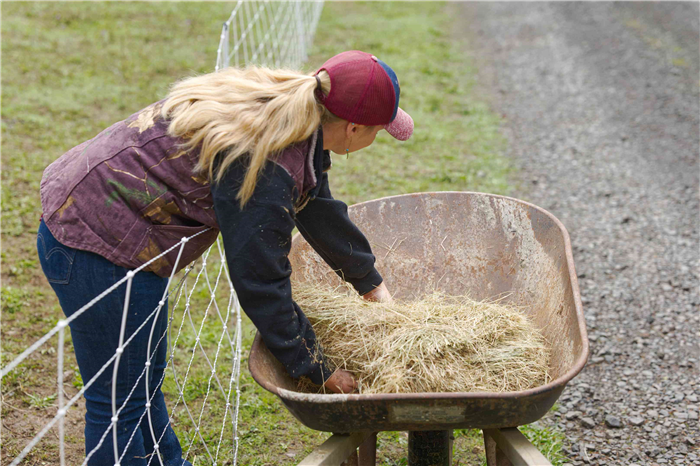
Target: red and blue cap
point(365, 90)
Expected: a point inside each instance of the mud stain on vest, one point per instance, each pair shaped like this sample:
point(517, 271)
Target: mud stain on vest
point(146, 119)
point(160, 211)
point(149, 252)
point(69, 202)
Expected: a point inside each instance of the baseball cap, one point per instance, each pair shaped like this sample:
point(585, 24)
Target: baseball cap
point(365, 90)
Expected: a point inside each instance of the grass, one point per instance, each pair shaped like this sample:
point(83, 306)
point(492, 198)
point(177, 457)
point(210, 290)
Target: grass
point(549, 441)
point(72, 69)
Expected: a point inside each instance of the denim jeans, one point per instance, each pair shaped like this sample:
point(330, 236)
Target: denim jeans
point(77, 277)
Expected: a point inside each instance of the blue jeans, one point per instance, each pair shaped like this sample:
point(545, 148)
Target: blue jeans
point(77, 277)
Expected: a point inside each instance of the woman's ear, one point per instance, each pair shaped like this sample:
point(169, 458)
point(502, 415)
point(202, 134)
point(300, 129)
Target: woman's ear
point(351, 129)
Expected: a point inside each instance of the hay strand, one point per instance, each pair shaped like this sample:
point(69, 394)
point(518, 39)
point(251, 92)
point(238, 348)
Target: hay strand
point(439, 343)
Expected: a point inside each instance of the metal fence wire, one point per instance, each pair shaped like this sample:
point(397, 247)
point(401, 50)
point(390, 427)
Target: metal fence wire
point(276, 34)
point(204, 334)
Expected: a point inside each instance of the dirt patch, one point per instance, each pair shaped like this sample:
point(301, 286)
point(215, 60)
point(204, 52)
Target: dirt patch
point(21, 422)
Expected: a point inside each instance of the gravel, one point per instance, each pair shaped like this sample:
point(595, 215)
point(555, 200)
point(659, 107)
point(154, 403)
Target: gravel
point(613, 421)
point(601, 108)
point(636, 420)
point(588, 422)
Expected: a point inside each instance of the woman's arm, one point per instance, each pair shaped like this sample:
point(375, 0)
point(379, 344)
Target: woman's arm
point(325, 224)
point(257, 240)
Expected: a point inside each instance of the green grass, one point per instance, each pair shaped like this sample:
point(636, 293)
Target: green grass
point(549, 441)
point(13, 299)
point(72, 69)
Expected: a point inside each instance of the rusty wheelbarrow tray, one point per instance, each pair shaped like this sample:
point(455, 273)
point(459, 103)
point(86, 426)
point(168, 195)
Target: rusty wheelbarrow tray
point(461, 243)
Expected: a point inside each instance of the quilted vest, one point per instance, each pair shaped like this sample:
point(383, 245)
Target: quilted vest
point(131, 192)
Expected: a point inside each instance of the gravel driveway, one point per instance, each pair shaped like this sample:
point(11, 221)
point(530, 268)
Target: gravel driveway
point(601, 103)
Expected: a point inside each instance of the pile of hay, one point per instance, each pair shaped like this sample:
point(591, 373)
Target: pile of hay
point(437, 344)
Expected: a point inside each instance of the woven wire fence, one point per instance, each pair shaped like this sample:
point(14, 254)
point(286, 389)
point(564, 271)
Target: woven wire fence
point(204, 334)
point(275, 34)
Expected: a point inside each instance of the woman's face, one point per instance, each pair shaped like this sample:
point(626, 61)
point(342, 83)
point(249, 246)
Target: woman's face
point(363, 137)
point(338, 137)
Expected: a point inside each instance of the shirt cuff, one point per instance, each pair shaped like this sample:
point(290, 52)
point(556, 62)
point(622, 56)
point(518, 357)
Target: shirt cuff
point(367, 283)
point(320, 374)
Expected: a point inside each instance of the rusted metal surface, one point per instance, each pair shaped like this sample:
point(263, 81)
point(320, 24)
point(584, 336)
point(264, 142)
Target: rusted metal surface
point(460, 243)
point(351, 460)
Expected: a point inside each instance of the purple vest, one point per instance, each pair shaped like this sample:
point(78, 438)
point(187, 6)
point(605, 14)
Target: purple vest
point(130, 193)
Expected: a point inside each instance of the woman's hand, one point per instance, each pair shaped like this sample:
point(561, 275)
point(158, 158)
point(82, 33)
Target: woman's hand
point(379, 294)
point(341, 381)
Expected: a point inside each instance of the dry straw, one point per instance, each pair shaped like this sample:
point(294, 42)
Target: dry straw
point(439, 343)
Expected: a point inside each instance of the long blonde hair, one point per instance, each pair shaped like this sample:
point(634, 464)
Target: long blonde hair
point(256, 111)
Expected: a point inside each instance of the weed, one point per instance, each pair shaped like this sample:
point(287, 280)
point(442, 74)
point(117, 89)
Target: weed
point(13, 299)
point(37, 401)
point(77, 379)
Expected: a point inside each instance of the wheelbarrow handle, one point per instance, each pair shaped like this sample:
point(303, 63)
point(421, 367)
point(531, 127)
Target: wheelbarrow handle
point(509, 447)
point(335, 450)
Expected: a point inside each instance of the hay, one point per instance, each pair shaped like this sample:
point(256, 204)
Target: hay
point(436, 344)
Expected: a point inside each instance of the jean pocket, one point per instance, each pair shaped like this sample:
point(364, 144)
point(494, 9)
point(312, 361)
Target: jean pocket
point(56, 259)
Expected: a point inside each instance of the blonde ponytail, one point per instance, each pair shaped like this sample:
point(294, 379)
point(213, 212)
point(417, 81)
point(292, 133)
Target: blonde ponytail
point(255, 111)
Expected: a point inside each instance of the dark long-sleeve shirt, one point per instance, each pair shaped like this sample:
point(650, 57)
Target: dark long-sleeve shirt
point(257, 240)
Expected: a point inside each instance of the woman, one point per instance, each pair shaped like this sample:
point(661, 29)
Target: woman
point(241, 152)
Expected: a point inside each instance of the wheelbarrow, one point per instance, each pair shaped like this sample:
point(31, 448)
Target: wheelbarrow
point(478, 244)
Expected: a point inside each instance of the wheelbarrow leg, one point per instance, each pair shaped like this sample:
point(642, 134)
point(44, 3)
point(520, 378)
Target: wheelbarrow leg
point(494, 456)
point(368, 451)
point(351, 461)
point(430, 448)
point(366, 455)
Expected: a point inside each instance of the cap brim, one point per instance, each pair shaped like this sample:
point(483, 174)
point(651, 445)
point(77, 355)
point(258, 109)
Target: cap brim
point(402, 126)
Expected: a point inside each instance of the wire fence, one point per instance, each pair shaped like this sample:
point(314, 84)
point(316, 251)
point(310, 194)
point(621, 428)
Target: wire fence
point(223, 326)
point(276, 34)
point(204, 334)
